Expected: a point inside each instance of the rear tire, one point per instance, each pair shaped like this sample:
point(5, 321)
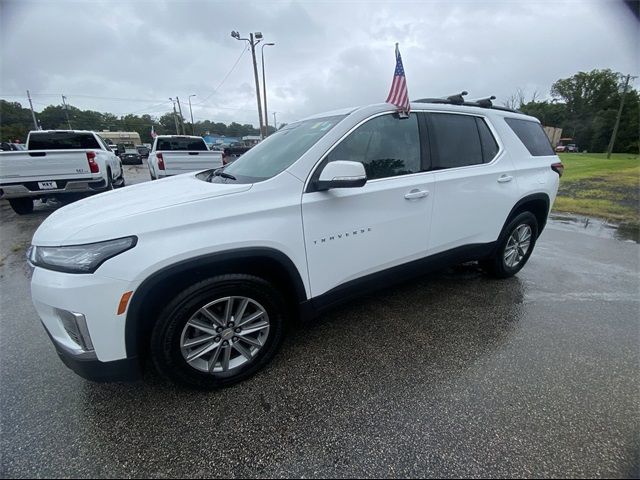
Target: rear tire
point(22, 206)
point(224, 363)
point(514, 247)
point(109, 180)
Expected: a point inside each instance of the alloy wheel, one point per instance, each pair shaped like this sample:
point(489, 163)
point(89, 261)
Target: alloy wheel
point(517, 246)
point(225, 334)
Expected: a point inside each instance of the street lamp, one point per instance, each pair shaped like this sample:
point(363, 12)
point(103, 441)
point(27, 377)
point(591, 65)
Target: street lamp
point(193, 128)
point(253, 42)
point(264, 90)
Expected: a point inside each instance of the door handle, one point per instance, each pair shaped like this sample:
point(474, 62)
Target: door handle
point(505, 179)
point(413, 194)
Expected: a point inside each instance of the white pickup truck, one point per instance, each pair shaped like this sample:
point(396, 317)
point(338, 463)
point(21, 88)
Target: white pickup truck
point(176, 154)
point(58, 164)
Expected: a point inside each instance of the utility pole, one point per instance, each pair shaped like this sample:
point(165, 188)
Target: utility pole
point(66, 110)
point(33, 114)
point(275, 124)
point(175, 115)
point(255, 74)
point(181, 117)
point(264, 90)
point(252, 43)
point(614, 134)
point(193, 127)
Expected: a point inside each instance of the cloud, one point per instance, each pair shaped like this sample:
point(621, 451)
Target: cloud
point(127, 57)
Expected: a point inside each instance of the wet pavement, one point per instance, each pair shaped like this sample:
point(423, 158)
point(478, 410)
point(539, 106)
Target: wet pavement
point(455, 374)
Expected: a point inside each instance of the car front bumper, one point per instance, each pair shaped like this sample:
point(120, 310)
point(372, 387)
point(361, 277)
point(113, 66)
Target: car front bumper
point(79, 313)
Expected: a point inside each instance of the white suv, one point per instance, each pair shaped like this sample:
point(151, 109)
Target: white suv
point(201, 272)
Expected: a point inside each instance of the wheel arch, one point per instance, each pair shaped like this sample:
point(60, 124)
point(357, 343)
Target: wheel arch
point(155, 291)
point(537, 203)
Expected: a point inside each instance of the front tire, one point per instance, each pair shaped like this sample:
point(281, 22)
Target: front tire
point(514, 248)
point(22, 206)
point(219, 331)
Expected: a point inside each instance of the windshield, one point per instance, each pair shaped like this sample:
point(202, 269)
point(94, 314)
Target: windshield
point(181, 144)
point(276, 153)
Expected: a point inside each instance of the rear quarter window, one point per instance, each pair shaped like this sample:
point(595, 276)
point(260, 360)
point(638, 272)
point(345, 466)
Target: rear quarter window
point(532, 136)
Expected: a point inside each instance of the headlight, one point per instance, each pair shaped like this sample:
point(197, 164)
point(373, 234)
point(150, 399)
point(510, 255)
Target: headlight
point(79, 258)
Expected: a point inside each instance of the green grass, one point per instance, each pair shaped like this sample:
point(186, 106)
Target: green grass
point(594, 186)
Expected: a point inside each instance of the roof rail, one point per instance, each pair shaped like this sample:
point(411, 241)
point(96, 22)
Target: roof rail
point(458, 99)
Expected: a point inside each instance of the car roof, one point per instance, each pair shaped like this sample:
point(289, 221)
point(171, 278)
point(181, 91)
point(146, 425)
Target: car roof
point(375, 108)
point(179, 136)
point(62, 131)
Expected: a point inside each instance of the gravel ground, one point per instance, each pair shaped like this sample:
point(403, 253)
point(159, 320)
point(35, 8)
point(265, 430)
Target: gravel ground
point(452, 375)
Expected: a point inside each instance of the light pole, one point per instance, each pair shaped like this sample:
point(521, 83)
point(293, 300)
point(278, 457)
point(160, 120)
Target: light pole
point(193, 128)
point(253, 43)
point(264, 90)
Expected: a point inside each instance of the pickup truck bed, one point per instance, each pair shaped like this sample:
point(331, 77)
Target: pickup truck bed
point(176, 154)
point(56, 164)
point(36, 172)
point(182, 162)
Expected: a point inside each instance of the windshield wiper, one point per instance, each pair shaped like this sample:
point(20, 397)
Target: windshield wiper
point(220, 173)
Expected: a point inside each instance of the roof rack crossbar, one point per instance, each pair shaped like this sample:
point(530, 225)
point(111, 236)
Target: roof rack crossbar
point(484, 102)
point(458, 99)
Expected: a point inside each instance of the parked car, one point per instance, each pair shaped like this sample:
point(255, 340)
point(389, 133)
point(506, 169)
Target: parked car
point(572, 148)
point(58, 163)
point(131, 156)
point(204, 270)
point(143, 151)
point(567, 145)
point(176, 154)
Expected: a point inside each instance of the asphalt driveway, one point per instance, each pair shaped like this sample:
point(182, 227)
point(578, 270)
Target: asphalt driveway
point(452, 375)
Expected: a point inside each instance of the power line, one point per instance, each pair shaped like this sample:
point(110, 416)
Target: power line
point(244, 50)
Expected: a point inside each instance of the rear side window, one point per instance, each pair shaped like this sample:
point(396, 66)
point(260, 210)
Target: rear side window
point(456, 139)
point(62, 141)
point(181, 144)
point(386, 145)
point(487, 141)
point(532, 136)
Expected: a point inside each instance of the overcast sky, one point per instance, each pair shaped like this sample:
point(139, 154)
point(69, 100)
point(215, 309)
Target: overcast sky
point(328, 54)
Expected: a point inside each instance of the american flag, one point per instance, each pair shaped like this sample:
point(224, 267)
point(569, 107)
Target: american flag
point(399, 95)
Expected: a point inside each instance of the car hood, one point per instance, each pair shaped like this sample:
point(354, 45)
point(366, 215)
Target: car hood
point(117, 207)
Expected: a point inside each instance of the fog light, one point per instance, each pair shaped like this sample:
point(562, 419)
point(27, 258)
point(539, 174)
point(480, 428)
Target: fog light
point(76, 327)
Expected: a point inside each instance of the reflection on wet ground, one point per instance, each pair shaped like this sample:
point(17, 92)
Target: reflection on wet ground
point(595, 226)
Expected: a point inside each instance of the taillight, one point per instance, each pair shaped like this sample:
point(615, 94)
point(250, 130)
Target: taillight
point(93, 166)
point(558, 168)
point(160, 161)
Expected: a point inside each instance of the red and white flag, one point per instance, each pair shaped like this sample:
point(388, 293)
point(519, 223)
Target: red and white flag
point(153, 132)
point(399, 95)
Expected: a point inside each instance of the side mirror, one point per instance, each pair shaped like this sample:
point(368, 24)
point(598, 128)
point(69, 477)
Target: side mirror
point(342, 174)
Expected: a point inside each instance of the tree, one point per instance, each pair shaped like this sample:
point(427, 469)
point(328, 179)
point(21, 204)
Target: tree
point(585, 105)
point(16, 121)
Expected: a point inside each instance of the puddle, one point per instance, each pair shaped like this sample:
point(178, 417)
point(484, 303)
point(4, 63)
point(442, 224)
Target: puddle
point(596, 227)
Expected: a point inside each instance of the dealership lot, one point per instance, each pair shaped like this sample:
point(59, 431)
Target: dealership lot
point(455, 374)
